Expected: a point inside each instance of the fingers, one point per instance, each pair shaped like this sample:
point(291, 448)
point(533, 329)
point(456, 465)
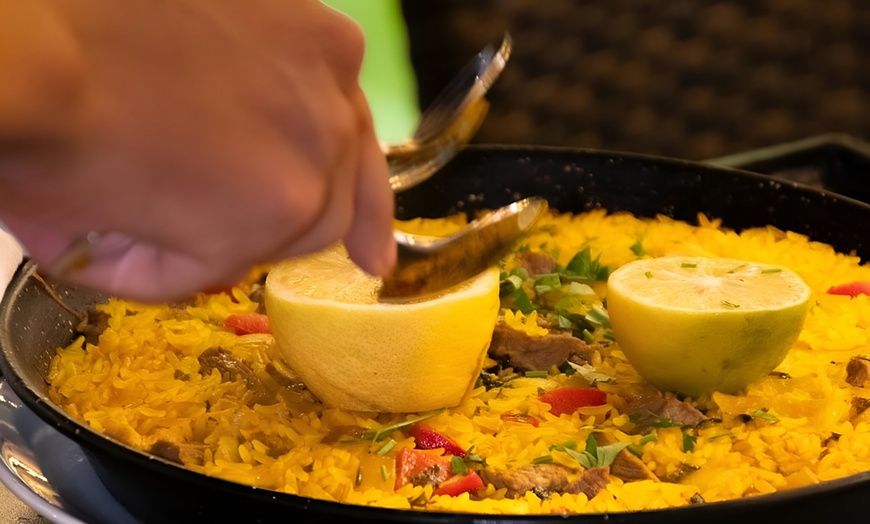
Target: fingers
point(370, 242)
point(263, 151)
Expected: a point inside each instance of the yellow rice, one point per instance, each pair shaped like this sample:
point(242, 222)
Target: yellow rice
point(141, 384)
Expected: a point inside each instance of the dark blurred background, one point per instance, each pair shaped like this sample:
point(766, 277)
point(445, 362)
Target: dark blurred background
point(693, 79)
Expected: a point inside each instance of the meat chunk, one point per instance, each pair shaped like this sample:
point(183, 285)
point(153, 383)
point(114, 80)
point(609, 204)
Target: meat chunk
point(527, 353)
point(652, 405)
point(592, 481)
point(540, 479)
point(257, 292)
point(545, 479)
point(536, 263)
point(228, 365)
point(184, 454)
point(626, 466)
point(93, 325)
point(858, 375)
point(858, 371)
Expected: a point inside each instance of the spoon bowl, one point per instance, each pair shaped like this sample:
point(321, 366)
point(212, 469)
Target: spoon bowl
point(449, 122)
point(430, 265)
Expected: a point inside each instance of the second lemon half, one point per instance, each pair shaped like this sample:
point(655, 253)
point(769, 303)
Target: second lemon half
point(693, 325)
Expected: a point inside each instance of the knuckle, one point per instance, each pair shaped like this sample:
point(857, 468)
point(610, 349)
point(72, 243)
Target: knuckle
point(347, 45)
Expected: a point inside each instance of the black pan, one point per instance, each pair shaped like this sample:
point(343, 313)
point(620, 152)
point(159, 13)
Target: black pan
point(482, 177)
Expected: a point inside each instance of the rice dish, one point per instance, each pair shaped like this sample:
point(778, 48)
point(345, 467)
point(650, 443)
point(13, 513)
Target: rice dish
point(177, 380)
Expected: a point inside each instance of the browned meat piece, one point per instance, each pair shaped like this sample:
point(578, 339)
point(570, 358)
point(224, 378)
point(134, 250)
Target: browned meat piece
point(229, 365)
point(536, 263)
point(630, 468)
point(287, 379)
point(652, 405)
point(858, 375)
point(591, 482)
point(683, 470)
point(525, 353)
point(93, 325)
point(284, 376)
point(184, 454)
point(858, 371)
point(859, 405)
point(545, 479)
point(540, 479)
point(626, 465)
point(256, 293)
point(343, 432)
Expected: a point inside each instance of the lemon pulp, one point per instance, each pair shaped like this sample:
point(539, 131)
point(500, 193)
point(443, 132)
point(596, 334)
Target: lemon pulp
point(694, 324)
point(354, 352)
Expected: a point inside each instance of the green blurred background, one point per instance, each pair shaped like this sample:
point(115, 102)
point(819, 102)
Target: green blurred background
point(387, 76)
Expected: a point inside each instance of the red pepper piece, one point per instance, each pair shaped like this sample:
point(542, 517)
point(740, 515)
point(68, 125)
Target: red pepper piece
point(568, 400)
point(520, 418)
point(421, 467)
point(459, 484)
point(248, 323)
point(428, 438)
point(853, 289)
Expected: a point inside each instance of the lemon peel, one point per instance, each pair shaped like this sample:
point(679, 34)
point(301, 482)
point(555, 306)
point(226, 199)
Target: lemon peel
point(354, 352)
point(693, 325)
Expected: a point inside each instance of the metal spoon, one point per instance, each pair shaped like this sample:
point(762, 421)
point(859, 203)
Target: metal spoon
point(428, 265)
point(449, 122)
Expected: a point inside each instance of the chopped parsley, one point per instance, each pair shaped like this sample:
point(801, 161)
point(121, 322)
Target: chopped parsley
point(764, 415)
point(386, 447)
point(637, 248)
point(583, 266)
point(379, 433)
point(689, 442)
point(458, 465)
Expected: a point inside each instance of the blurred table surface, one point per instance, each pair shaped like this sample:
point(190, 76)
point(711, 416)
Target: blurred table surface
point(14, 511)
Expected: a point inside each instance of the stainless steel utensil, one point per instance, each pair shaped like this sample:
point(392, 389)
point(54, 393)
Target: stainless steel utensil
point(449, 122)
point(428, 265)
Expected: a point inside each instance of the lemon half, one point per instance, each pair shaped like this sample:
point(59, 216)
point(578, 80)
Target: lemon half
point(693, 325)
point(354, 352)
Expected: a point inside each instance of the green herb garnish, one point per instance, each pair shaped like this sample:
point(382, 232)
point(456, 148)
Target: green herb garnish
point(522, 302)
point(583, 266)
point(599, 315)
point(637, 248)
point(762, 414)
point(546, 283)
point(458, 465)
point(379, 433)
point(386, 447)
point(689, 442)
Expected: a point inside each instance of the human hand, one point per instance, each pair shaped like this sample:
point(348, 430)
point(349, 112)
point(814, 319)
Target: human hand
point(199, 137)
